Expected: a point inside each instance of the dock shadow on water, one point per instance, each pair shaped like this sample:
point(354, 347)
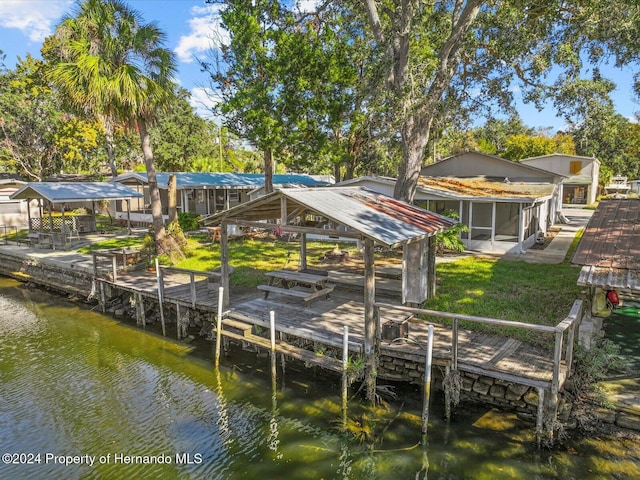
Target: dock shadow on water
point(85, 396)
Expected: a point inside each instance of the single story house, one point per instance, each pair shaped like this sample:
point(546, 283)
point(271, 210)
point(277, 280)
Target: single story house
point(581, 185)
point(203, 193)
point(505, 209)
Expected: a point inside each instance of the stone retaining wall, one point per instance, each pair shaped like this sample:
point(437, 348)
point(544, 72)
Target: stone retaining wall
point(475, 388)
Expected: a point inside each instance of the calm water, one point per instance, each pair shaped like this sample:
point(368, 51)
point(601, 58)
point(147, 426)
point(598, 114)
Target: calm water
point(76, 383)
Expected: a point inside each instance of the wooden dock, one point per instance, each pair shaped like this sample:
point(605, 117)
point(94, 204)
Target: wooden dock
point(321, 324)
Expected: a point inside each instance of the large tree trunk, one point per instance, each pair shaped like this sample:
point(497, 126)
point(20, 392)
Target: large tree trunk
point(417, 109)
point(415, 136)
point(268, 170)
point(173, 199)
point(111, 151)
point(154, 191)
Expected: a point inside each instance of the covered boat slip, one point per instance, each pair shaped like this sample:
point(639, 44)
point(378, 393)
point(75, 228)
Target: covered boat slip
point(60, 231)
point(610, 247)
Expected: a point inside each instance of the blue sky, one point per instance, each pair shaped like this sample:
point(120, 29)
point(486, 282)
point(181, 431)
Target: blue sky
point(190, 26)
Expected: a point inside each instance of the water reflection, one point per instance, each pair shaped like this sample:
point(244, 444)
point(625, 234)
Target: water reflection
point(75, 382)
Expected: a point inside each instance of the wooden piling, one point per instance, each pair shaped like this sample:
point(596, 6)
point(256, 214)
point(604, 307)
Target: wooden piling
point(219, 325)
point(540, 417)
point(160, 281)
point(427, 385)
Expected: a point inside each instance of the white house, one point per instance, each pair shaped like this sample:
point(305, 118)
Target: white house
point(581, 184)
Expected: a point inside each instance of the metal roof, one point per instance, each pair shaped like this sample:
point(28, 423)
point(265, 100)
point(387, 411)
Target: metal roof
point(612, 236)
point(383, 219)
point(486, 189)
point(457, 156)
point(222, 180)
point(64, 192)
point(610, 247)
point(620, 279)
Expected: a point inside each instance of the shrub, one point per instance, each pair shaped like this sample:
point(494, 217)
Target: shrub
point(188, 221)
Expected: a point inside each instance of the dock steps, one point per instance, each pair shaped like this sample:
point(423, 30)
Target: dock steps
point(289, 350)
point(236, 326)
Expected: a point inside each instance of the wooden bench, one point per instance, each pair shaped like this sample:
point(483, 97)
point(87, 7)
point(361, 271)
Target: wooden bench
point(305, 294)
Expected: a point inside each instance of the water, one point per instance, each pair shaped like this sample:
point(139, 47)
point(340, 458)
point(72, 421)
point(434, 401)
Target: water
point(77, 383)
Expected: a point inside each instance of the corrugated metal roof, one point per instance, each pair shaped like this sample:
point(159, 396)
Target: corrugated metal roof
point(481, 187)
point(619, 279)
point(223, 180)
point(387, 221)
point(63, 192)
point(612, 236)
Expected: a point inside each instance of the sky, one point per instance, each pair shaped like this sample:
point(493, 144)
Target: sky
point(190, 26)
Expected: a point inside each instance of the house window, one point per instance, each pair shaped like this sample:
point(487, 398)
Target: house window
point(575, 167)
point(234, 196)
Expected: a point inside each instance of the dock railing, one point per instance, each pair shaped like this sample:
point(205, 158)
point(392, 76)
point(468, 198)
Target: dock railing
point(210, 276)
point(561, 353)
point(109, 262)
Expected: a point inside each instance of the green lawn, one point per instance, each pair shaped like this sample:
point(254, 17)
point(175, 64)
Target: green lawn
point(518, 291)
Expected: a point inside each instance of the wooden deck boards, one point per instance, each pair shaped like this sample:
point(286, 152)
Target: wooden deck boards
point(324, 319)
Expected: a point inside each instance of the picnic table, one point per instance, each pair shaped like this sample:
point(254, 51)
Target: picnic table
point(307, 286)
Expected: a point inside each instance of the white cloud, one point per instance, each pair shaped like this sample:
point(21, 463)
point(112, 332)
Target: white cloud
point(305, 6)
point(203, 99)
point(205, 32)
point(34, 18)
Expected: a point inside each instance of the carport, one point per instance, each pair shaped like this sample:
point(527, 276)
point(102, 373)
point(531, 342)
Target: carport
point(60, 231)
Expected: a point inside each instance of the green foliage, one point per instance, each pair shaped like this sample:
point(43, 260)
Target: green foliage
point(592, 366)
point(518, 147)
point(180, 136)
point(30, 121)
point(288, 83)
point(450, 240)
point(189, 221)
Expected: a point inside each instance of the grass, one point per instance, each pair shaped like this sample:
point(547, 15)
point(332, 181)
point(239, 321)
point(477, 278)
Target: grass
point(539, 294)
point(525, 292)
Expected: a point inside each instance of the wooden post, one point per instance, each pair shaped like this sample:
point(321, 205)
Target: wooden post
point(192, 279)
point(272, 333)
point(178, 321)
point(63, 230)
point(454, 345)
point(103, 300)
point(219, 325)
point(426, 399)
point(140, 314)
point(224, 263)
point(369, 320)
point(128, 215)
point(303, 251)
point(540, 417)
point(345, 366)
point(431, 268)
point(160, 281)
point(114, 268)
point(95, 265)
point(124, 259)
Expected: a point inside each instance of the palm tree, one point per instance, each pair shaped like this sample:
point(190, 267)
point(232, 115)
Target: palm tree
point(111, 66)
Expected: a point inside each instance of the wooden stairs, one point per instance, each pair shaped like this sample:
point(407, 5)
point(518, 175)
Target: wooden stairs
point(237, 330)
